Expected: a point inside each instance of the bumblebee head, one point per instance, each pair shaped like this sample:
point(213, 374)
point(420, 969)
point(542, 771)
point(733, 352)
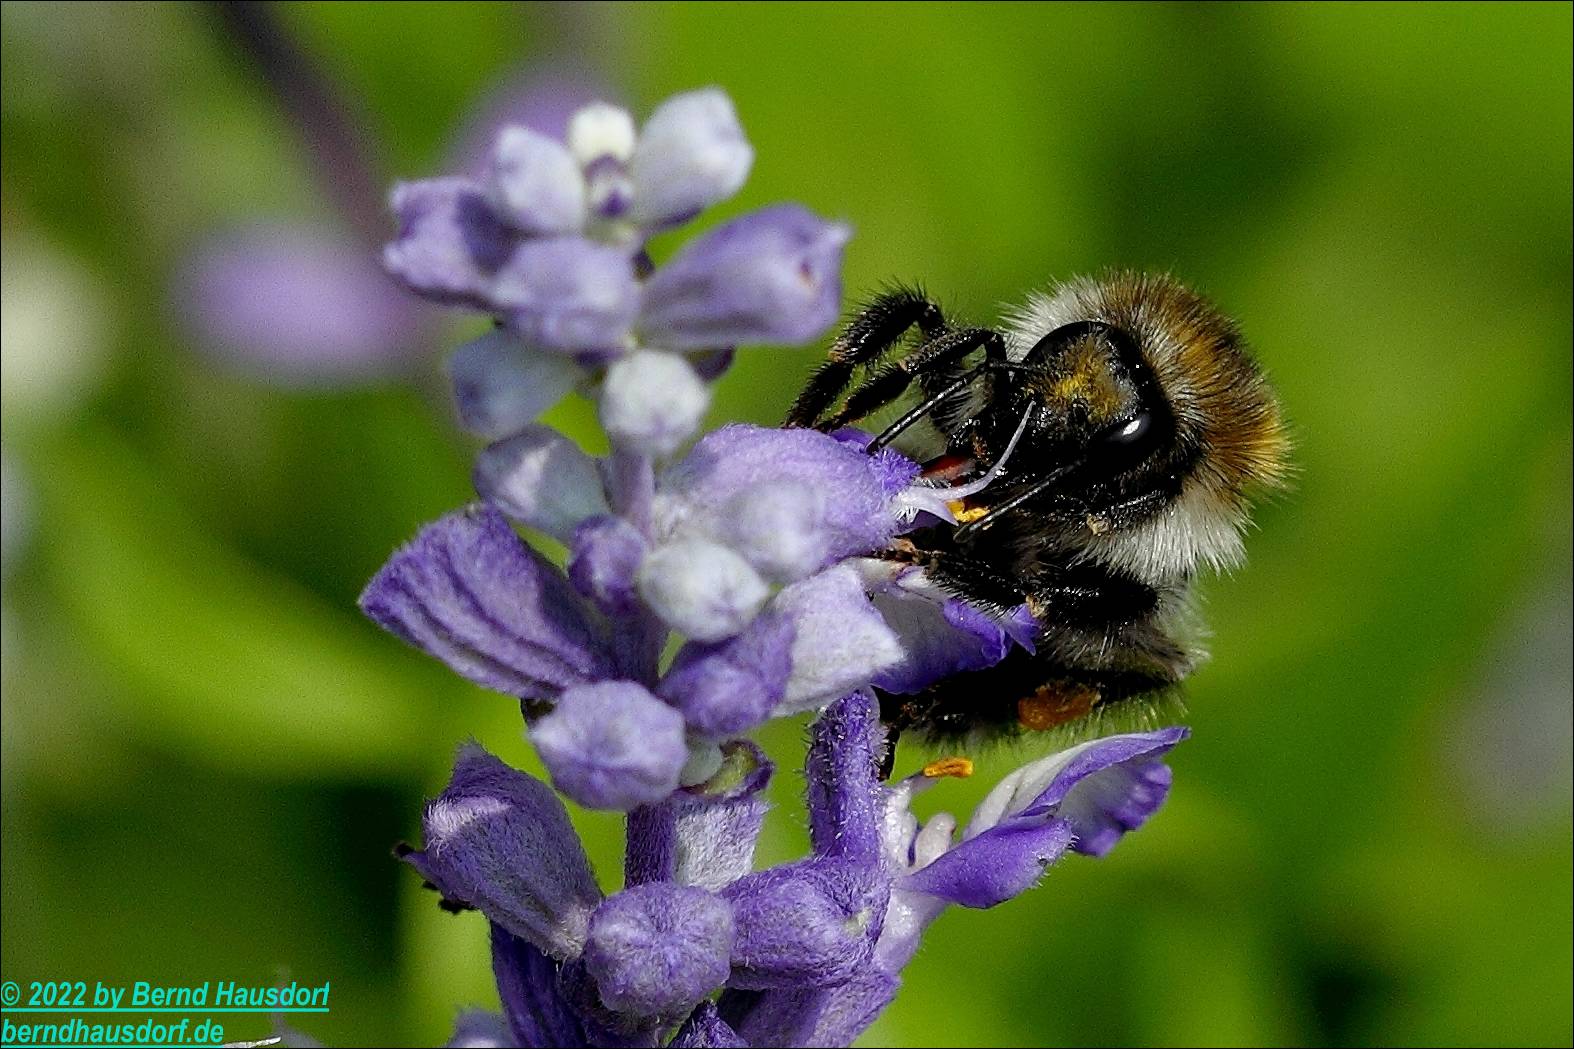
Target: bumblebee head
point(1143, 399)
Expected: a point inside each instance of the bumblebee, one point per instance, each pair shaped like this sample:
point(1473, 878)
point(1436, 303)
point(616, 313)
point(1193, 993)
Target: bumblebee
point(1125, 427)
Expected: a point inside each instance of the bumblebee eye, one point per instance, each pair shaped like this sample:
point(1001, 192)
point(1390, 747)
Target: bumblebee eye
point(1124, 445)
point(1132, 431)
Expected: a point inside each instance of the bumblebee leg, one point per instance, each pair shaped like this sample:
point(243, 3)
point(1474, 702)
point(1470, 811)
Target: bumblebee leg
point(941, 352)
point(865, 339)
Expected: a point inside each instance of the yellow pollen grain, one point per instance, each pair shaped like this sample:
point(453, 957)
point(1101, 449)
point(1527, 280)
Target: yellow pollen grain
point(960, 768)
point(964, 514)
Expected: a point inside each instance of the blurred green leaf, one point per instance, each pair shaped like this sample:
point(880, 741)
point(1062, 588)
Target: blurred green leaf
point(230, 664)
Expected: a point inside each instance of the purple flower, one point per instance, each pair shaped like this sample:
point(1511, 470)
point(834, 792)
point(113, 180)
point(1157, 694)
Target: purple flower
point(729, 687)
point(805, 925)
point(716, 824)
point(705, 1029)
point(703, 590)
point(789, 501)
point(941, 635)
point(1085, 798)
point(469, 592)
point(651, 402)
point(500, 841)
point(691, 154)
point(760, 549)
point(541, 478)
point(549, 240)
point(501, 385)
point(773, 276)
point(612, 746)
point(300, 305)
point(604, 554)
point(655, 950)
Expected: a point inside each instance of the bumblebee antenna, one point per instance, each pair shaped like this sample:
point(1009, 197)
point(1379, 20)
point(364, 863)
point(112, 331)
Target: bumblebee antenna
point(905, 423)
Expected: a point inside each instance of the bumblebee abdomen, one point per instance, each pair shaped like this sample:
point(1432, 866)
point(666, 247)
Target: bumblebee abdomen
point(1028, 692)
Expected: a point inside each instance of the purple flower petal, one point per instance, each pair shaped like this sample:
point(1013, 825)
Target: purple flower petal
point(612, 745)
point(450, 244)
point(727, 688)
point(691, 154)
point(296, 305)
point(772, 276)
point(469, 592)
point(997, 865)
point(541, 478)
point(705, 1029)
point(651, 402)
point(791, 501)
point(656, 949)
point(604, 555)
point(500, 841)
point(501, 385)
point(1102, 789)
point(826, 1016)
point(527, 982)
point(567, 294)
point(807, 924)
point(840, 642)
point(703, 590)
point(719, 823)
point(535, 184)
point(846, 801)
point(940, 636)
point(479, 1029)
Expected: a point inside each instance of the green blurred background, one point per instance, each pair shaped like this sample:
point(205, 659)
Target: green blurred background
point(207, 753)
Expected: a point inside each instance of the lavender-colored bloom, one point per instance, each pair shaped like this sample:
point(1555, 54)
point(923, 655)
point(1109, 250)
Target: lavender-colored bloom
point(705, 1029)
point(772, 276)
point(823, 1016)
point(755, 548)
point(451, 243)
point(469, 592)
point(537, 1012)
point(732, 686)
point(655, 950)
point(691, 154)
point(501, 386)
point(703, 590)
point(541, 478)
point(941, 635)
point(716, 826)
point(1103, 788)
point(790, 501)
point(996, 866)
point(612, 746)
point(652, 402)
point(567, 294)
point(500, 841)
point(604, 554)
point(601, 132)
point(808, 924)
point(840, 643)
point(478, 1029)
point(1085, 798)
point(296, 304)
point(535, 184)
